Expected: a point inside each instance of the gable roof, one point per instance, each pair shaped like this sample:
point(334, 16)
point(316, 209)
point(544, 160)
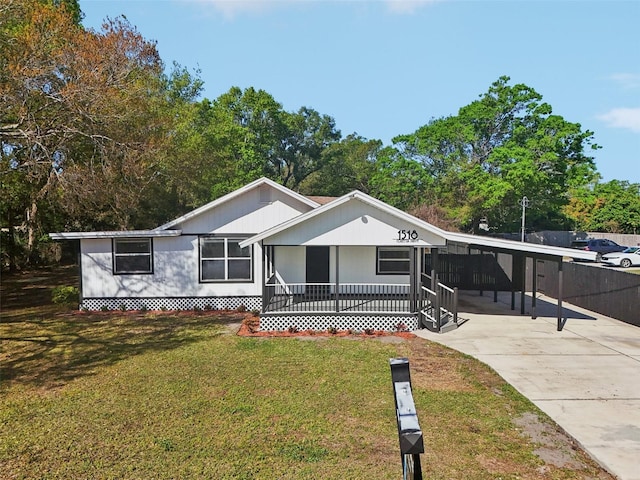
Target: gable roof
point(237, 193)
point(497, 244)
point(349, 197)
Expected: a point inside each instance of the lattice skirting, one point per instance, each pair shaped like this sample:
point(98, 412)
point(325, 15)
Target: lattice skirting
point(322, 322)
point(173, 303)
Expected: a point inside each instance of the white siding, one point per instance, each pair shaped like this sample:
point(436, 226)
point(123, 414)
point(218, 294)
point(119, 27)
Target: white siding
point(289, 263)
point(176, 272)
point(251, 213)
point(176, 268)
point(357, 265)
point(354, 223)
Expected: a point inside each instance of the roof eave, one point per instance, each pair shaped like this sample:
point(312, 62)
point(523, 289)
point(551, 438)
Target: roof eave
point(114, 234)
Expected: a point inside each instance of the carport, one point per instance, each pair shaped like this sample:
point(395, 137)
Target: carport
point(485, 274)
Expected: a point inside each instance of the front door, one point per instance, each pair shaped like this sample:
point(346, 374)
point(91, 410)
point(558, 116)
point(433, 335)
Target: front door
point(317, 271)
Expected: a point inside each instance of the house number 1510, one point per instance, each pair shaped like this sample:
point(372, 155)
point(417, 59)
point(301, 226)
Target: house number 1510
point(407, 235)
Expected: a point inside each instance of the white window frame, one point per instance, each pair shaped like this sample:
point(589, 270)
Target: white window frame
point(225, 258)
point(120, 255)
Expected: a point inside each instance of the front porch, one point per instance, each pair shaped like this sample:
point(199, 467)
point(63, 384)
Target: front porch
point(358, 306)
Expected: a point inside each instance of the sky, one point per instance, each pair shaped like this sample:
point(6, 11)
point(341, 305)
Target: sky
point(383, 68)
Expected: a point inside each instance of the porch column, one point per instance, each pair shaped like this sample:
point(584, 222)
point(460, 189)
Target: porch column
point(263, 290)
point(337, 278)
point(412, 279)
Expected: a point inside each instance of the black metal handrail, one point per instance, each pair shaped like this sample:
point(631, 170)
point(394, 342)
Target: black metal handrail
point(343, 297)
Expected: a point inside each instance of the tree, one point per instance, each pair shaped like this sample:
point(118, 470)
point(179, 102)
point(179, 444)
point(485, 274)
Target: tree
point(612, 207)
point(347, 165)
point(242, 135)
point(397, 180)
point(504, 146)
point(78, 124)
point(300, 152)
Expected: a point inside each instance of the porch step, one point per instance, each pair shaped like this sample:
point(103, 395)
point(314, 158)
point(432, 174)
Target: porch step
point(447, 327)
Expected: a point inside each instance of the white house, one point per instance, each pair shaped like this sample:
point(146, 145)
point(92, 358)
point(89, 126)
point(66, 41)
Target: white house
point(355, 262)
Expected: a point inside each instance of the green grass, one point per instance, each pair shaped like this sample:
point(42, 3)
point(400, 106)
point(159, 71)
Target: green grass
point(131, 396)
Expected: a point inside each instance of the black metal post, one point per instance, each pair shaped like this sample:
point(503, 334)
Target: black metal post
point(560, 281)
point(523, 279)
point(534, 288)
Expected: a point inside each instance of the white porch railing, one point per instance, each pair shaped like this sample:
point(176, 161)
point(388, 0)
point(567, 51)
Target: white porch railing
point(331, 297)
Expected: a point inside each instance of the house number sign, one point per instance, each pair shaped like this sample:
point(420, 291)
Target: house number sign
point(407, 235)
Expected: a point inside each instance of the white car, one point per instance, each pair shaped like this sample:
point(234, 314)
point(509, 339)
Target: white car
point(626, 258)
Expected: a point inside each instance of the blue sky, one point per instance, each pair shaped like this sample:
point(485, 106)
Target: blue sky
point(382, 68)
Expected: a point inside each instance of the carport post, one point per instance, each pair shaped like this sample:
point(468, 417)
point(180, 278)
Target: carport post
point(495, 278)
point(513, 277)
point(523, 287)
point(534, 287)
point(481, 273)
point(560, 295)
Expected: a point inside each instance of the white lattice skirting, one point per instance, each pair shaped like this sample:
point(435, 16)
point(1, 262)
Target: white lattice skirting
point(249, 303)
point(323, 321)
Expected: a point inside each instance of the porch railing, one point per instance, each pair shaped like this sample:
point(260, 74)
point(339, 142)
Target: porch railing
point(329, 297)
point(439, 303)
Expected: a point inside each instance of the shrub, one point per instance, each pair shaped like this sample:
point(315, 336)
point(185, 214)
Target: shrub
point(332, 330)
point(65, 295)
point(292, 329)
point(241, 308)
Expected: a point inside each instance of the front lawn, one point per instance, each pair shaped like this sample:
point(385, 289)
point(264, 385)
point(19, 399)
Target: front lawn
point(166, 395)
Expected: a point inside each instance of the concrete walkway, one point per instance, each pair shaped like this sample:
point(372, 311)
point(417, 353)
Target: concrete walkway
point(586, 377)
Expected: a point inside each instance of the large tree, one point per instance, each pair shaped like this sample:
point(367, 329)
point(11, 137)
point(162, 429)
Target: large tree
point(498, 149)
point(79, 119)
point(346, 165)
point(242, 135)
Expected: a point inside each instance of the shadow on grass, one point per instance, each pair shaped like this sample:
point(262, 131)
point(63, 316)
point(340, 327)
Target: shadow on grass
point(51, 350)
point(32, 288)
point(46, 345)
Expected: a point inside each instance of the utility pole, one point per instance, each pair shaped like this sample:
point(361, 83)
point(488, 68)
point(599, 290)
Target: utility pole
point(525, 204)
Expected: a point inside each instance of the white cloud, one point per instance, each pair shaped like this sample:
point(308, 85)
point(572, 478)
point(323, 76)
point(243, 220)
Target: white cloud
point(627, 118)
point(627, 80)
point(232, 8)
point(407, 6)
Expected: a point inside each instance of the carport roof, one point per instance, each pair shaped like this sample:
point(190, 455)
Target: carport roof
point(512, 246)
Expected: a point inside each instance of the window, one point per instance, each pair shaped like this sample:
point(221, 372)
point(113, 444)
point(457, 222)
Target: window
point(392, 261)
point(132, 255)
point(222, 259)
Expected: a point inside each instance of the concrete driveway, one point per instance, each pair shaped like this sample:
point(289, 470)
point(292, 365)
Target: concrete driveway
point(586, 377)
